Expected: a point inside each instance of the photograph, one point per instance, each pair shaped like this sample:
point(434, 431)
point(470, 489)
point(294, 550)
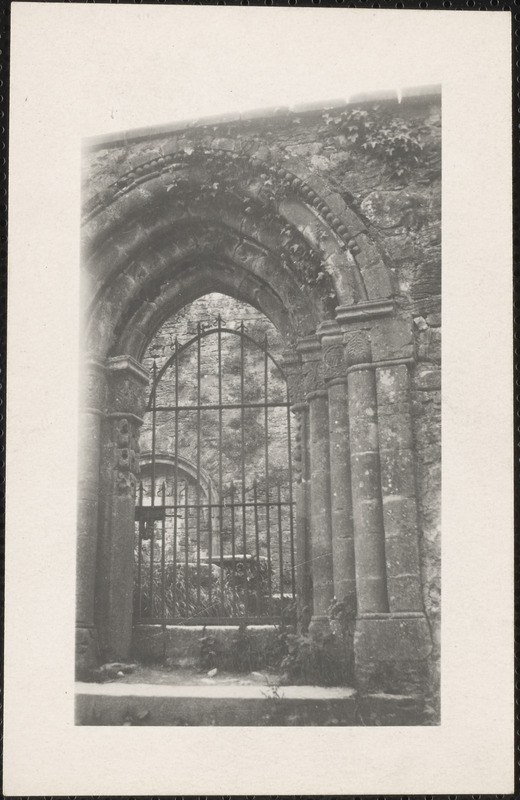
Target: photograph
point(256, 505)
point(259, 491)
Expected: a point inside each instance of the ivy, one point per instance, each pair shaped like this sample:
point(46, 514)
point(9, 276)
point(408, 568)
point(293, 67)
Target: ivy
point(296, 254)
point(391, 140)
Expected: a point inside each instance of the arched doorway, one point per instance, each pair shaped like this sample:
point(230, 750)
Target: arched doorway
point(176, 219)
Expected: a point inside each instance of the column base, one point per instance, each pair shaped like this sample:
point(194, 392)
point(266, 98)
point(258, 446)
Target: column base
point(87, 652)
point(391, 653)
point(319, 626)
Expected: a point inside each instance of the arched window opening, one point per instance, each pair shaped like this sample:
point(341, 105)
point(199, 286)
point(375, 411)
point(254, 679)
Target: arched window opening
point(214, 514)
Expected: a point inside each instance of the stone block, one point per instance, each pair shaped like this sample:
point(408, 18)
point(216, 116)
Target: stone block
point(392, 385)
point(434, 320)
point(426, 378)
point(180, 645)
point(397, 472)
point(390, 709)
point(404, 592)
point(87, 652)
point(402, 556)
point(392, 339)
point(395, 430)
point(392, 639)
point(233, 704)
point(400, 517)
point(148, 643)
point(393, 677)
point(376, 278)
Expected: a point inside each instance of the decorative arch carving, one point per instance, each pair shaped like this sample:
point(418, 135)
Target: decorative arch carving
point(312, 235)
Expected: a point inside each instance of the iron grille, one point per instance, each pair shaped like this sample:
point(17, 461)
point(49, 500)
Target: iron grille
point(214, 512)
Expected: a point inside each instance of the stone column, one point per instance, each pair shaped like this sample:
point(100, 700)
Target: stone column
point(335, 370)
point(366, 486)
point(93, 393)
point(392, 641)
point(393, 348)
point(321, 522)
point(127, 394)
point(300, 460)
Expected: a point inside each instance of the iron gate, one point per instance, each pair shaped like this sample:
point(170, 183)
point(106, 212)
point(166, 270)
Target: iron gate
point(214, 511)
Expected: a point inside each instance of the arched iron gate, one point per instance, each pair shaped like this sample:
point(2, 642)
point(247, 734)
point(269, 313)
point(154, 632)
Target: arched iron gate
point(214, 512)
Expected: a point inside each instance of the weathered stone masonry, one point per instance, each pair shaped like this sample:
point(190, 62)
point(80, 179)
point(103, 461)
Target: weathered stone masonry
point(328, 222)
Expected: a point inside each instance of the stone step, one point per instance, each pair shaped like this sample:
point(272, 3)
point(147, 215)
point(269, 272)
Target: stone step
point(250, 705)
point(181, 644)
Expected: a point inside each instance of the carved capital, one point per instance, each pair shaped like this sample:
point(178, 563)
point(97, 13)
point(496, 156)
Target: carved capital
point(334, 361)
point(313, 376)
point(357, 348)
point(128, 384)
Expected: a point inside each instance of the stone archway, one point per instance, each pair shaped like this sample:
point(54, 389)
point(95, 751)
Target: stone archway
point(182, 218)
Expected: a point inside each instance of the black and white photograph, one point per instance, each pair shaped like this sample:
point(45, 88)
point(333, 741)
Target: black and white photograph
point(259, 441)
point(259, 504)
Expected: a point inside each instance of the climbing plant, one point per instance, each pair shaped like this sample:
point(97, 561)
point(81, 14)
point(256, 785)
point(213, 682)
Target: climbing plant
point(375, 131)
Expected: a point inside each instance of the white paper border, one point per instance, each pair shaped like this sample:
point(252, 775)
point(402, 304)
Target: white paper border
point(82, 70)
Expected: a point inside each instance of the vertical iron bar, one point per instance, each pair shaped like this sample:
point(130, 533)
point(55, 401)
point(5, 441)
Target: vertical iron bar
point(151, 526)
point(140, 556)
point(151, 523)
point(221, 542)
point(210, 547)
point(174, 589)
point(257, 543)
point(291, 505)
point(176, 477)
point(243, 460)
point(197, 489)
point(280, 548)
point(163, 556)
point(187, 544)
point(233, 582)
point(154, 415)
point(267, 489)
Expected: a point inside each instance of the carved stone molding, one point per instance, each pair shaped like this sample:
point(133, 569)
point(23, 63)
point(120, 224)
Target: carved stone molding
point(365, 310)
point(334, 362)
point(128, 385)
point(313, 376)
point(128, 388)
point(312, 365)
point(357, 348)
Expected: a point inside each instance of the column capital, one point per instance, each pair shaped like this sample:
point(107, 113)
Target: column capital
point(127, 365)
point(311, 354)
point(333, 352)
point(357, 347)
point(128, 382)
